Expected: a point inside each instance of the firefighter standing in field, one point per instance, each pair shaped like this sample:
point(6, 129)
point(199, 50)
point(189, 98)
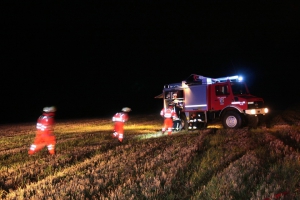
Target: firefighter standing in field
point(195, 121)
point(44, 133)
point(119, 119)
point(176, 119)
point(168, 114)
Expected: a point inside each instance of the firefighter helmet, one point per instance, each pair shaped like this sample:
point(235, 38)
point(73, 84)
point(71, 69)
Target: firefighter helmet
point(49, 109)
point(126, 109)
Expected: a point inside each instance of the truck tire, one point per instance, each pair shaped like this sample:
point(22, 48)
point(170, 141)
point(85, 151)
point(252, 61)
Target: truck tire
point(184, 123)
point(232, 120)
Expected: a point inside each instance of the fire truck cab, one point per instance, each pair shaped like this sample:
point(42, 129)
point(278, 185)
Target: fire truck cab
point(203, 100)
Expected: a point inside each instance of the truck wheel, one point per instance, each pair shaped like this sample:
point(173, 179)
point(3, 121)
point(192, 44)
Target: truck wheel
point(184, 123)
point(232, 120)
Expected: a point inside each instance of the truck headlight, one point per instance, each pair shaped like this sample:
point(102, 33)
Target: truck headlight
point(253, 111)
point(266, 110)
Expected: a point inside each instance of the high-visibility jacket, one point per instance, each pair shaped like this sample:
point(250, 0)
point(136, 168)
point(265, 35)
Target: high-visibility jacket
point(45, 123)
point(120, 117)
point(168, 112)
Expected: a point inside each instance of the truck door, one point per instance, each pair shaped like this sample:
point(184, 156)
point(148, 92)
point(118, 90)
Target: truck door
point(220, 96)
point(195, 98)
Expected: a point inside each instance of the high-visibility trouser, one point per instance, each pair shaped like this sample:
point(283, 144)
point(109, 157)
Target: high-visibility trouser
point(119, 130)
point(168, 125)
point(42, 140)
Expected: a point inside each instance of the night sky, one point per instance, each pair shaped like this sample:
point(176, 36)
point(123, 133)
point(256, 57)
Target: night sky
point(90, 59)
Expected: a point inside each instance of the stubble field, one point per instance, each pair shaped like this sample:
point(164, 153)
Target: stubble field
point(212, 164)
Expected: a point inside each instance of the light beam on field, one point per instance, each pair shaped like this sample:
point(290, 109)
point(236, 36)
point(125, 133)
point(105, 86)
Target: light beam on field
point(155, 135)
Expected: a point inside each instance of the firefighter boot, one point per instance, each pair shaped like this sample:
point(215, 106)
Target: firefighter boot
point(120, 138)
point(52, 152)
point(32, 149)
point(115, 134)
point(31, 152)
point(169, 131)
point(51, 149)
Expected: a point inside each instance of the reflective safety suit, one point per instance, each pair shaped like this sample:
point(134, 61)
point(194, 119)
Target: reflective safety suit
point(168, 114)
point(119, 119)
point(44, 134)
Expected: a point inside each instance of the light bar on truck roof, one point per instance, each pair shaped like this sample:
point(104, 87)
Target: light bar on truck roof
point(228, 78)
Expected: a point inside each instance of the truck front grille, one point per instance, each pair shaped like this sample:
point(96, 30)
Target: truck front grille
point(256, 104)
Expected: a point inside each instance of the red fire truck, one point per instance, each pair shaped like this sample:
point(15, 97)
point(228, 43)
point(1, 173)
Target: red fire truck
point(203, 100)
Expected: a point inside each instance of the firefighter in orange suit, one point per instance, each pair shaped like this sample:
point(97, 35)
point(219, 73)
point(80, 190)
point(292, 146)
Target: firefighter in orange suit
point(44, 133)
point(119, 119)
point(168, 114)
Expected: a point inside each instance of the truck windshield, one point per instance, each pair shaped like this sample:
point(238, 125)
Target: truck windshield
point(238, 88)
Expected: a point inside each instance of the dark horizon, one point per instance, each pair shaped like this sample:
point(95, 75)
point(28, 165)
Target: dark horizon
point(92, 59)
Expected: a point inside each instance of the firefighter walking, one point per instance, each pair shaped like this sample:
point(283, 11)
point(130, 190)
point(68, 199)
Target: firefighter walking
point(168, 114)
point(119, 119)
point(44, 133)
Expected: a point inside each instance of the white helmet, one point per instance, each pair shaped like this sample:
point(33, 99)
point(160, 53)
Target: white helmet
point(49, 109)
point(126, 109)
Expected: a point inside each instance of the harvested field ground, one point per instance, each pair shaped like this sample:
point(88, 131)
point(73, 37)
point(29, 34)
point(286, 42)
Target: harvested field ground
point(212, 163)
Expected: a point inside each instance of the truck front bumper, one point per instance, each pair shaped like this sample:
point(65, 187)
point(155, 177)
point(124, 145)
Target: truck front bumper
point(257, 111)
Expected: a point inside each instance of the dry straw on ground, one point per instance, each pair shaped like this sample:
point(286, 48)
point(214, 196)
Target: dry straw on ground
point(205, 164)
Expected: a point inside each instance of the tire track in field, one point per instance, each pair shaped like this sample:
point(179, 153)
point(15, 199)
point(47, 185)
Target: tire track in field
point(105, 166)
